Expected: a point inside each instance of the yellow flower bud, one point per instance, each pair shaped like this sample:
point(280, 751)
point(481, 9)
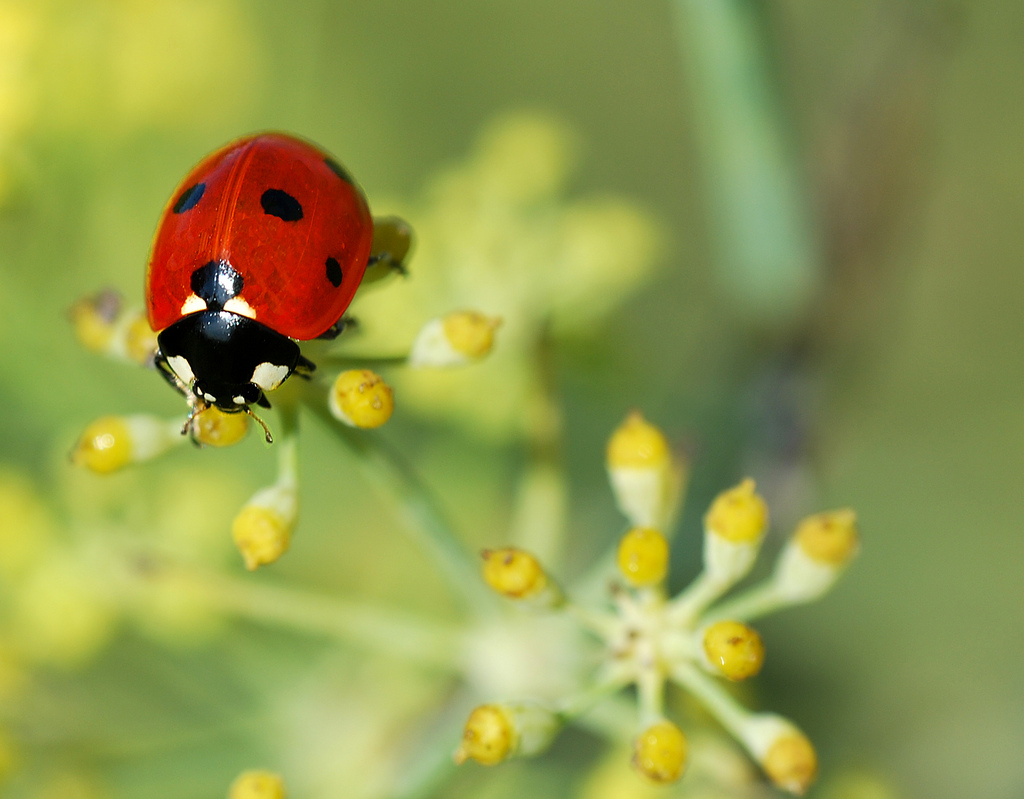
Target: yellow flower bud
point(361, 398)
point(455, 339)
point(470, 333)
point(659, 752)
point(257, 785)
point(112, 442)
point(829, 538)
point(818, 552)
point(105, 446)
point(738, 515)
point(513, 573)
point(637, 444)
point(216, 428)
point(734, 649)
point(102, 324)
point(643, 556)
point(494, 733)
point(261, 535)
point(640, 468)
point(489, 736)
point(93, 320)
point(791, 762)
point(140, 343)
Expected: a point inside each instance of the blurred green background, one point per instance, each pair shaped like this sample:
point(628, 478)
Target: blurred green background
point(836, 310)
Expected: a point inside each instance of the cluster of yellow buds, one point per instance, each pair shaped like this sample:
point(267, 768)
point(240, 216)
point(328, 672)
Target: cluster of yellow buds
point(652, 640)
point(358, 398)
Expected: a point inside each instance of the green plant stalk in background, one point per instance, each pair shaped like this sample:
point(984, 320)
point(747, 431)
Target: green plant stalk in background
point(768, 256)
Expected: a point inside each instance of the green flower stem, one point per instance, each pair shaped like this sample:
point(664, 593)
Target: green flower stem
point(730, 713)
point(539, 524)
point(604, 625)
point(611, 681)
point(409, 637)
point(341, 361)
point(423, 773)
point(384, 465)
point(690, 602)
point(768, 256)
point(650, 689)
point(751, 604)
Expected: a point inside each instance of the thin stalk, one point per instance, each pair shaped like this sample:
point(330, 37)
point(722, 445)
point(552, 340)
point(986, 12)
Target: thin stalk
point(385, 466)
point(412, 638)
point(611, 681)
point(690, 602)
point(650, 689)
point(539, 521)
point(730, 713)
point(758, 601)
point(331, 362)
point(768, 254)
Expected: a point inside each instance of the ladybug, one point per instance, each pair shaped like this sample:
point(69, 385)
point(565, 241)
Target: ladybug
point(262, 245)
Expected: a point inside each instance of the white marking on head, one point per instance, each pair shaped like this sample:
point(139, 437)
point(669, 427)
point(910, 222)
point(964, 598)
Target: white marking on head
point(269, 376)
point(181, 368)
point(192, 304)
point(238, 400)
point(239, 306)
point(209, 397)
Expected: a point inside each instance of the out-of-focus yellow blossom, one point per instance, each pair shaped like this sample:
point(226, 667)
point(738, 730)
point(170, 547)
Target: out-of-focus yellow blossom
point(499, 231)
point(26, 527)
point(71, 785)
point(116, 68)
point(8, 755)
point(103, 324)
point(19, 41)
point(258, 785)
point(63, 613)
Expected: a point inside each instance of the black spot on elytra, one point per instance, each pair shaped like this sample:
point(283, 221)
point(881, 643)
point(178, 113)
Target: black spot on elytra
point(216, 282)
point(339, 170)
point(188, 199)
point(281, 204)
point(334, 272)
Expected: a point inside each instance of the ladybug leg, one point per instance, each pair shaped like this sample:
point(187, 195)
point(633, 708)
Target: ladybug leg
point(304, 367)
point(168, 374)
point(392, 239)
point(338, 328)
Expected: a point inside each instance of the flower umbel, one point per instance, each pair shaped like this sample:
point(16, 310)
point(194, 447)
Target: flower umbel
point(652, 640)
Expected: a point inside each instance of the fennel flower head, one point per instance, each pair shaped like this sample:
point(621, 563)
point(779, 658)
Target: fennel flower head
point(501, 231)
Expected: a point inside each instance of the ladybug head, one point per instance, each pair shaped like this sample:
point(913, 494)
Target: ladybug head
point(227, 360)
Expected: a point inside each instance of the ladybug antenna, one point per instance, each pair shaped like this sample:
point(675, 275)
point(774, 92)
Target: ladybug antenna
point(196, 409)
point(266, 430)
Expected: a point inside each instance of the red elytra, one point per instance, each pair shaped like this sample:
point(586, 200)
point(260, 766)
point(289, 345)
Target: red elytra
point(284, 215)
